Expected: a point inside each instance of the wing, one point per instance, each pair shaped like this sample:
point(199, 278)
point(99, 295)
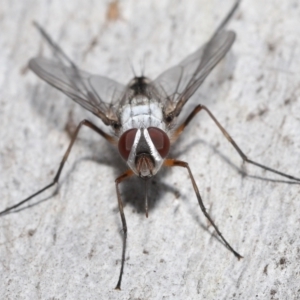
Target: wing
point(98, 94)
point(179, 83)
point(176, 85)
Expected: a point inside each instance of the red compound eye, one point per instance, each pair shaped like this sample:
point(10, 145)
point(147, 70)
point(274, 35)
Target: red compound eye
point(126, 141)
point(160, 140)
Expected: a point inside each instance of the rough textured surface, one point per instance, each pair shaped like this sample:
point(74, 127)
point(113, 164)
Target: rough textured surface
point(69, 246)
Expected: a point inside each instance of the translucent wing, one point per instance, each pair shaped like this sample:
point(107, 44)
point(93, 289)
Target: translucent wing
point(98, 94)
point(179, 83)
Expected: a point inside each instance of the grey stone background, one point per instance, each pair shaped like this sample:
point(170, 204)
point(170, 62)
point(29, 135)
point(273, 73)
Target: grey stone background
point(69, 246)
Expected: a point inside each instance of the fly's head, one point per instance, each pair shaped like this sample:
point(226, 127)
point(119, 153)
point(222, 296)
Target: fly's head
point(144, 150)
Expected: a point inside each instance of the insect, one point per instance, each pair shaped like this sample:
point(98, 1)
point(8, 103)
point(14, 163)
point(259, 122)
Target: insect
point(141, 115)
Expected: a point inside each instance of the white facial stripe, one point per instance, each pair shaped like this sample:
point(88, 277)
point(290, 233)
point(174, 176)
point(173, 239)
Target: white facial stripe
point(153, 150)
point(154, 153)
point(131, 157)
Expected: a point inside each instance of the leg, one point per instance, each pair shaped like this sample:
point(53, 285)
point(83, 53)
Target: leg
point(178, 163)
point(56, 178)
point(197, 109)
point(124, 225)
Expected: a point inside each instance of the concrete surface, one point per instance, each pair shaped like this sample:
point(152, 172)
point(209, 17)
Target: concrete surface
point(69, 246)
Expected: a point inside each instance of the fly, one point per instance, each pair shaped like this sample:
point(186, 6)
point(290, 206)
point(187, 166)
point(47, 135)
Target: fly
point(141, 114)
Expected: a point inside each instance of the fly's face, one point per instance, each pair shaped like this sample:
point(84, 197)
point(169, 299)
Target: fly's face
point(144, 150)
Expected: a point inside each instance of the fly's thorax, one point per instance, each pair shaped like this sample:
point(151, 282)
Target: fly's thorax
point(142, 112)
point(144, 149)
